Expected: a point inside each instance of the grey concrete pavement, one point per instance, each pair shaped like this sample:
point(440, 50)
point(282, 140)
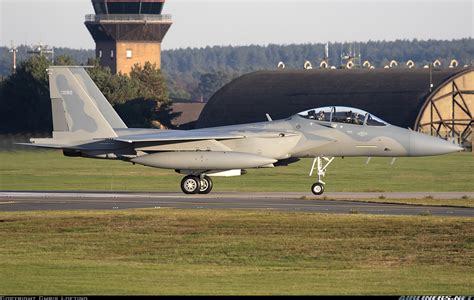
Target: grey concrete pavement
point(32, 200)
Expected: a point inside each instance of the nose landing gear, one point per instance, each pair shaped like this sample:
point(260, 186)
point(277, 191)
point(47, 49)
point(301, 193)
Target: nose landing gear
point(321, 164)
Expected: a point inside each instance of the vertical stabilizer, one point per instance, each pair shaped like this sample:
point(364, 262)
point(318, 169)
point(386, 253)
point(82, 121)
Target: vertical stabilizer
point(96, 95)
point(80, 110)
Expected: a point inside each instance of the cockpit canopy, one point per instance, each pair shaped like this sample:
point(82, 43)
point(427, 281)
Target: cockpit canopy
point(342, 114)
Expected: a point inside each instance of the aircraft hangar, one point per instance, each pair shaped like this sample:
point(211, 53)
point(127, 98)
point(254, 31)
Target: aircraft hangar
point(436, 101)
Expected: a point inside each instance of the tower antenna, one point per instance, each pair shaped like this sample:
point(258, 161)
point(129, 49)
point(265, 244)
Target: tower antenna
point(13, 51)
point(326, 52)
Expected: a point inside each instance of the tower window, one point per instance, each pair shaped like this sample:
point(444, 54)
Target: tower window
point(129, 53)
point(111, 53)
point(100, 53)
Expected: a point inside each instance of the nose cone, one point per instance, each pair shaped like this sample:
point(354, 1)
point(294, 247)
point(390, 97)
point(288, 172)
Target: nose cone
point(426, 145)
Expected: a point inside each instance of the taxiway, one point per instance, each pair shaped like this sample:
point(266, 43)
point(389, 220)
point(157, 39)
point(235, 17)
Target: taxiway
point(33, 200)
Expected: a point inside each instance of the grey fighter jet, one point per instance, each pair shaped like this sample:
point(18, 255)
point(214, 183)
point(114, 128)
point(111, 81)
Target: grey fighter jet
point(86, 125)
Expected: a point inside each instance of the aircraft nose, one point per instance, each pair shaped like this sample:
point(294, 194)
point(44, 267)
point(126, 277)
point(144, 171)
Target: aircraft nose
point(426, 145)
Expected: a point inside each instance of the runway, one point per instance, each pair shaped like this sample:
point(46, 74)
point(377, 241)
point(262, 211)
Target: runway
point(34, 201)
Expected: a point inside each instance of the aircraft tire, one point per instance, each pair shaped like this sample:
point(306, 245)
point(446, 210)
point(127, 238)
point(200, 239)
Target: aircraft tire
point(191, 184)
point(206, 185)
point(317, 189)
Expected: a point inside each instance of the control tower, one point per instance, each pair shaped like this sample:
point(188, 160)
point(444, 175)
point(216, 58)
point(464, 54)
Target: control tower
point(127, 32)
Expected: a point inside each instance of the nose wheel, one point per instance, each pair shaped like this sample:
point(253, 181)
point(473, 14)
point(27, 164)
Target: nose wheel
point(317, 189)
point(320, 164)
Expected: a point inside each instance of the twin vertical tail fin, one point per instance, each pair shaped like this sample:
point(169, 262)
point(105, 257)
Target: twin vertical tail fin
point(80, 111)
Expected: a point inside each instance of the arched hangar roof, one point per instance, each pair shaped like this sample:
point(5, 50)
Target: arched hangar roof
point(395, 95)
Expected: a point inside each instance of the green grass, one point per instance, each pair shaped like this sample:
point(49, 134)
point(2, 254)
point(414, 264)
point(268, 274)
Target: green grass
point(166, 251)
point(49, 170)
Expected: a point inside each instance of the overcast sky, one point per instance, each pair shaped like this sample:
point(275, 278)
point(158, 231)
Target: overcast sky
point(244, 22)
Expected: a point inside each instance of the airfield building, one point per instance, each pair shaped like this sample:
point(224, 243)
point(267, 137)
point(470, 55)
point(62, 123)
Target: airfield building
point(127, 32)
point(439, 102)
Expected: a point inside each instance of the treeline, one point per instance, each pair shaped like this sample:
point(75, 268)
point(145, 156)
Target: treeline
point(250, 58)
point(188, 69)
point(80, 56)
point(195, 74)
point(141, 98)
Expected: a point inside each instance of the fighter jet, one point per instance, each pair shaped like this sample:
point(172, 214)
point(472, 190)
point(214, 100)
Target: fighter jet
point(86, 125)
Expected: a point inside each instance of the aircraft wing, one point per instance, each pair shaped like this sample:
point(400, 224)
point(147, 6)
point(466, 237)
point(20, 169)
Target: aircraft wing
point(170, 136)
point(179, 136)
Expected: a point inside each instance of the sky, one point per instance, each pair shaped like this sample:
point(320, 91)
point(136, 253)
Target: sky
point(60, 23)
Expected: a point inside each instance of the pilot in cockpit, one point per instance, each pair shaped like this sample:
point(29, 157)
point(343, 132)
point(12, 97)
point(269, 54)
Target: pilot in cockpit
point(357, 119)
point(321, 116)
point(312, 114)
point(349, 117)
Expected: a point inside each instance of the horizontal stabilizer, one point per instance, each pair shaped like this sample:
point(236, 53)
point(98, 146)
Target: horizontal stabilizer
point(46, 146)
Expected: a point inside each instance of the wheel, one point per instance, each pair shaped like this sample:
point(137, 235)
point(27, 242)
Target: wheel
point(317, 188)
point(206, 185)
point(191, 184)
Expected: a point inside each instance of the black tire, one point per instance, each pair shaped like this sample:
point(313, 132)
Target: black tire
point(191, 184)
point(317, 189)
point(206, 185)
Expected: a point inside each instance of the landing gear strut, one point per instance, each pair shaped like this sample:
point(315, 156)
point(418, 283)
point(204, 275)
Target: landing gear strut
point(320, 164)
point(192, 184)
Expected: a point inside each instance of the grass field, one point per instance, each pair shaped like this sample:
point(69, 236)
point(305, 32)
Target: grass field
point(49, 170)
point(166, 251)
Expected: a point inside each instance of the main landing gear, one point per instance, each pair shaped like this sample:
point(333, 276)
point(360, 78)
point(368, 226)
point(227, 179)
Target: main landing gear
point(320, 164)
point(192, 184)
